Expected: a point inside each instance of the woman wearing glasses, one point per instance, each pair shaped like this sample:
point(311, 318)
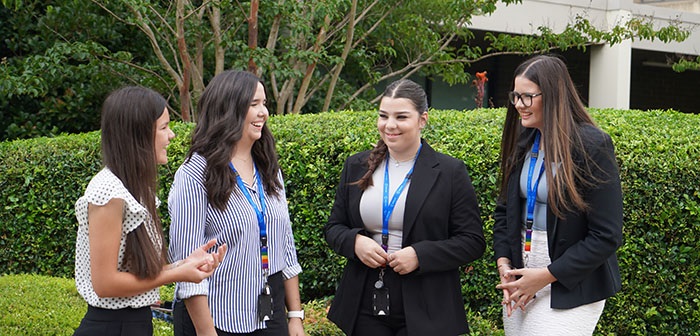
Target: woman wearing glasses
point(558, 220)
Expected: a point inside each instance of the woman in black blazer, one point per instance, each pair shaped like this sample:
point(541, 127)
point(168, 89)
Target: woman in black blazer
point(558, 221)
point(402, 274)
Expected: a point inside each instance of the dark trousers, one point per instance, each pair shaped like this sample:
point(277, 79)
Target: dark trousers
point(392, 325)
point(116, 322)
point(183, 326)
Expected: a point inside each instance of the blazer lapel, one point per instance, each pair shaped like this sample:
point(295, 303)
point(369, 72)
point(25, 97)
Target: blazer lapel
point(425, 173)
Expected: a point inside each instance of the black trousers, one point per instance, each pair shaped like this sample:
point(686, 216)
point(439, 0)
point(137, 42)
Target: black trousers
point(116, 322)
point(392, 325)
point(183, 325)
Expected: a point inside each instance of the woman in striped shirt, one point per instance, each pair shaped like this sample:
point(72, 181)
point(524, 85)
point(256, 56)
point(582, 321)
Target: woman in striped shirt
point(230, 188)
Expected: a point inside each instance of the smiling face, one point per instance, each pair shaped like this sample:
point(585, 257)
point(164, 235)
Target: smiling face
point(399, 125)
point(256, 117)
point(163, 135)
point(530, 116)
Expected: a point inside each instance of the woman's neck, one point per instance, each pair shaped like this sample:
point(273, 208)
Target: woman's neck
point(405, 155)
point(242, 153)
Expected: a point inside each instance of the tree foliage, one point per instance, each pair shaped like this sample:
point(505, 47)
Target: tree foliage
point(684, 64)
point(60, 57)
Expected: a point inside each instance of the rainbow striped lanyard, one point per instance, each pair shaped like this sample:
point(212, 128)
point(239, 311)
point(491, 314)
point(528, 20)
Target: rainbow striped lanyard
point(532, 191)
point(260, 212)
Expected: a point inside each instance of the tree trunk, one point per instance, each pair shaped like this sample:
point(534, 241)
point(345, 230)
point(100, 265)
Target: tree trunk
point(301, 96)
point(253, 34)
point(185, 102)
point(271, 44)
point(215, 22)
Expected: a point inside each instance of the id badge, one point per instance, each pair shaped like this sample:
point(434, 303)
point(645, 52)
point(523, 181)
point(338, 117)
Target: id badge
point(265, 304)
point(380, 301)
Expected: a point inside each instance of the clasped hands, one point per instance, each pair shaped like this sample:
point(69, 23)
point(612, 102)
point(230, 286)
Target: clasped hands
point(518, 292)
point(371, 254)
point(200, 264)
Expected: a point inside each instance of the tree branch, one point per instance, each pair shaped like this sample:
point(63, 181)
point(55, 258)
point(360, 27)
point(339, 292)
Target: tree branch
point(346, 50)
point(301, 96)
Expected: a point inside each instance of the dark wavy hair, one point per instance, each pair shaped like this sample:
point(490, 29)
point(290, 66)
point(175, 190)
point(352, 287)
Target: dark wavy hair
point(128, 129)
point(563, 113)
point(403, 88)
point(222, 110)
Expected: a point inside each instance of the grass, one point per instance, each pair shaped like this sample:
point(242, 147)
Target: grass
point(43, 305)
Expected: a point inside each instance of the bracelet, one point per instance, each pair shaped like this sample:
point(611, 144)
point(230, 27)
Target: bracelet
point(176, 264)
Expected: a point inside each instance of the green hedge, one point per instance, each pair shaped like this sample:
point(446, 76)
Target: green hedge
point(658, 153)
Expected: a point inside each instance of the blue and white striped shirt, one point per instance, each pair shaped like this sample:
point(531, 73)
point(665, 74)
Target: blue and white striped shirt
point(234, 287)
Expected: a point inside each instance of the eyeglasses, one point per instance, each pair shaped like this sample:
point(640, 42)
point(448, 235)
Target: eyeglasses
point(526, 98)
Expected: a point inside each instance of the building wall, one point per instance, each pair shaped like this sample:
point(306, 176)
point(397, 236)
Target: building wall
point(649, 72)
point(680, 5)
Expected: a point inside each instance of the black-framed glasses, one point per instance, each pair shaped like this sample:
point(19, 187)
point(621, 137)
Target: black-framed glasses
point(526, 98)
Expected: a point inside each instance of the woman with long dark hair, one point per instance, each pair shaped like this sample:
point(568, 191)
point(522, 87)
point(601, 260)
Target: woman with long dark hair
point(230, 187)
point(120, 252)
point(558, 220)
point(406, 218)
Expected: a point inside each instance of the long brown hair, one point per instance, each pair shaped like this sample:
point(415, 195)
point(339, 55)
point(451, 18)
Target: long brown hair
point(404, 88)
point(222, 112)
point(128, 128)
point(563, 113)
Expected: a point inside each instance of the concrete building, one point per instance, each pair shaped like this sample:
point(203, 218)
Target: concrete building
point(630, 75)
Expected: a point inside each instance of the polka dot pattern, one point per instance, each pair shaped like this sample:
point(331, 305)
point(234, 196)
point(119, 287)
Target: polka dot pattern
point(102, 188)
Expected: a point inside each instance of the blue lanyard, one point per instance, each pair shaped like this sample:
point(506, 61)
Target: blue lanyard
point(532, 190)
point(260, 212)
point(388, 208)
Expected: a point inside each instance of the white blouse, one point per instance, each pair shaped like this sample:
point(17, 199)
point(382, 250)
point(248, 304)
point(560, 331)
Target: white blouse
point(371, 203)
point(102, 188)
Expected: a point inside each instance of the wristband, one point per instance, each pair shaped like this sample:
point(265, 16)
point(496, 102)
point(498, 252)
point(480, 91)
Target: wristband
point(295, 313)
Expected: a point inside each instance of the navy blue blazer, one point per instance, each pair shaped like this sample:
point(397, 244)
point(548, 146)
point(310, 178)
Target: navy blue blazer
point(582, 245)
point(441, 222)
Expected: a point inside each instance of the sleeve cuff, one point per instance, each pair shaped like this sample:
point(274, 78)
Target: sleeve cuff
point(186, 290)
point(291, 271)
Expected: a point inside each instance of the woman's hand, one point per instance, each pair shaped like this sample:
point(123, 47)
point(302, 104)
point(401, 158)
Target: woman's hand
point(200, 264)
point(523, 290)
point(296, 327)
point(506, 277)
point(369, 252)
point(404, 261)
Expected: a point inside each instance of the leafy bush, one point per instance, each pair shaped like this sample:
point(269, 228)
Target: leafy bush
point(657, 151)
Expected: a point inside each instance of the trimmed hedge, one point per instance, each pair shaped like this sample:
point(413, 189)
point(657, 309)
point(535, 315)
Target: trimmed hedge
point(658, 153)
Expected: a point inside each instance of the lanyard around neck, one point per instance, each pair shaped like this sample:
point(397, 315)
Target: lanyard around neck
point(259, 212)
point(532, 190)
point(388, 207)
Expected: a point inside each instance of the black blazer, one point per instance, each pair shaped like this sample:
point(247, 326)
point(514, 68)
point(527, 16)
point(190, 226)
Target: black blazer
point(581, 245)
point(441, 222)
